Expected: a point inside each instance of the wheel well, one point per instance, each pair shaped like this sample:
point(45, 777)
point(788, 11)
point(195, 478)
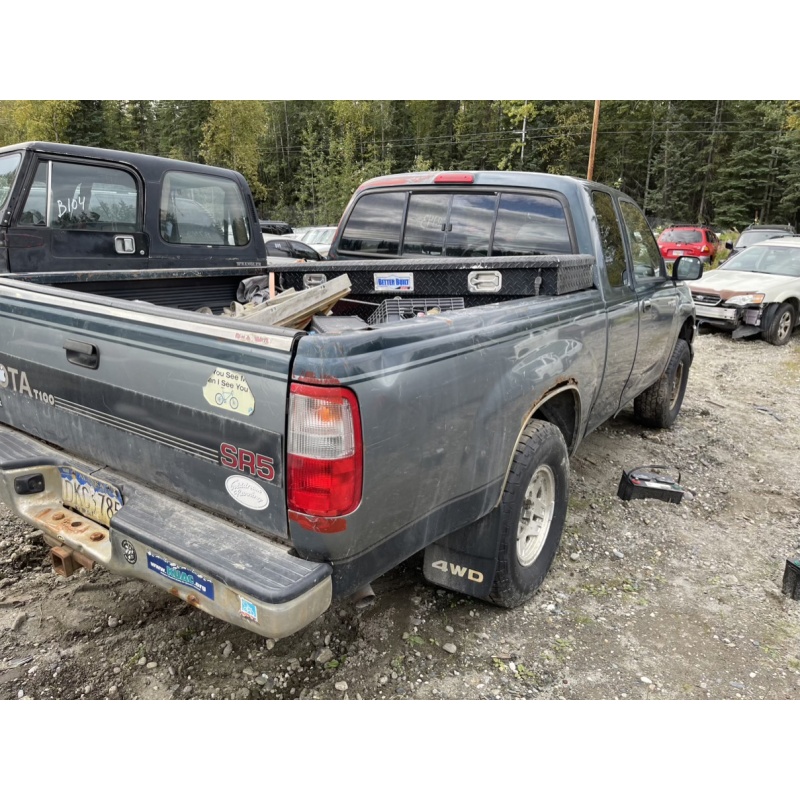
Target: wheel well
point(772, 310)
point(687, 331)
point(561, 409)
point(795, 304)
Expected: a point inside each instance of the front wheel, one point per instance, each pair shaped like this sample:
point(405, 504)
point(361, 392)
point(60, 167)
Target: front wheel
point(780, 328)
point(659, 405)
point(532, 514)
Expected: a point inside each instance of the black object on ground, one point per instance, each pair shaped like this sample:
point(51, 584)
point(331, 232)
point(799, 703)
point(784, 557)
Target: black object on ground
point(791, 578)
point(642, 483)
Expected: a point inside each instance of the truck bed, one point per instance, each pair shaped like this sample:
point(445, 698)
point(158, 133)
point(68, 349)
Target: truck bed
point(394, 289)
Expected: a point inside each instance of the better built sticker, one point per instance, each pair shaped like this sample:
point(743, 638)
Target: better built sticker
point(394, 281)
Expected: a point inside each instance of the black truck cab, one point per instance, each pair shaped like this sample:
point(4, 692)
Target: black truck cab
point(89, 214)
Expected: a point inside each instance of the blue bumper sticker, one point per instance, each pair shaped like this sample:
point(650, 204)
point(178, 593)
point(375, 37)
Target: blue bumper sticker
point(182, 575)
point(248, 610)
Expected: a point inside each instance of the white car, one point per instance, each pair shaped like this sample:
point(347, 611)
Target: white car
point(756, 291)
point(319, 238)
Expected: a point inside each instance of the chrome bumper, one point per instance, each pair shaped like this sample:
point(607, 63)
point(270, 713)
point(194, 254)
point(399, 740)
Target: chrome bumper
point(230, 573)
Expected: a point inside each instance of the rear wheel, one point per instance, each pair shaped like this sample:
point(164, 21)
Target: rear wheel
point(658, 406)
point(532, 514)
point(780, 327)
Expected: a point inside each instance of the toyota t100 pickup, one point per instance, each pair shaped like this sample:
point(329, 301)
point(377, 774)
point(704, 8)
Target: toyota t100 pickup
point(494, 319)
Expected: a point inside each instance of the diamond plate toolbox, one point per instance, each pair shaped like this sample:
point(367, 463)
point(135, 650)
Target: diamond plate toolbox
point(506, 276)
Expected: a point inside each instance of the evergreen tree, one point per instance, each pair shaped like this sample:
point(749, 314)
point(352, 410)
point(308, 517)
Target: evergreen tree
point(87, 124)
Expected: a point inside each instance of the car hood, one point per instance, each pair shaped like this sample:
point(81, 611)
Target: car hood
point(728, 282)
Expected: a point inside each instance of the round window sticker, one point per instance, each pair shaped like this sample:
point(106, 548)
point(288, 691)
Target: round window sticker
point(246, 492)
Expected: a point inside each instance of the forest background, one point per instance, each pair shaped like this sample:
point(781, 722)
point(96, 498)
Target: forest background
point(723, 162)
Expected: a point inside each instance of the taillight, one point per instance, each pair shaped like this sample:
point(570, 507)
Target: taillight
point(454, 177)
point(324, 451)
point(705, 248)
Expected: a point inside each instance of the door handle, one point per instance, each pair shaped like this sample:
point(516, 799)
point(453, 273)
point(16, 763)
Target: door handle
point(646, 305)
point(82, 354)
point(124, 244)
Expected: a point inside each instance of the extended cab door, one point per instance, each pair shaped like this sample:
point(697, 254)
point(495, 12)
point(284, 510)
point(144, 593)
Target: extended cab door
point(76, 215)
point(621, 307)
point(657, 297)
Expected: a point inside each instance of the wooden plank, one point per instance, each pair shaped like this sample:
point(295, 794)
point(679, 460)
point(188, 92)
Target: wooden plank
point(297, 310)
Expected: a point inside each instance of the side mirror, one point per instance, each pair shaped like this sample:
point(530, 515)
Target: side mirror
point(686, 268)
point(729, 245)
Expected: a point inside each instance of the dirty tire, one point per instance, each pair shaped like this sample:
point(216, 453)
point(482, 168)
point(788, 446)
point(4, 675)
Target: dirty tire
point(658, 406)
point(532, 513)
point(780, 328)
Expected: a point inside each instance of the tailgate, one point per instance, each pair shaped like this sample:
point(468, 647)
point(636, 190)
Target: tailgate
point(191, 405)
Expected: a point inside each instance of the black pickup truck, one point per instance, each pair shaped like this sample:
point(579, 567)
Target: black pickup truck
point(127, 225)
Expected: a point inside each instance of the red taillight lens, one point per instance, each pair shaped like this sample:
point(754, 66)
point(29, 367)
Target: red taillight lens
point(324, 451)
point(705, 248)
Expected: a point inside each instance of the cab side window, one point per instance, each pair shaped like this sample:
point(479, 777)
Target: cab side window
point(647, 263)
point(202, 209)
point(72, 196)
point(610, 238)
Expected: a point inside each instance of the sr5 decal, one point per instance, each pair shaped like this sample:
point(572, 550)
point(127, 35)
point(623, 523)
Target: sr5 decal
point(241, 460)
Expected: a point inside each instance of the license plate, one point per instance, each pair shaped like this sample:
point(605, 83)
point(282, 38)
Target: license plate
point(677, 252)
point(91, 498)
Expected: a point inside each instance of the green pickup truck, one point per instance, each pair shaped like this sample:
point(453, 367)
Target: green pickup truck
point(258, 472)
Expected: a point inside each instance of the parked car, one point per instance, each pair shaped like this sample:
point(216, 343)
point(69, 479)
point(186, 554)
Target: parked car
point(688, 240)
point(754, 292)
point(319, 238)
point(759, 233)
point(274, 227)
point(286, 250)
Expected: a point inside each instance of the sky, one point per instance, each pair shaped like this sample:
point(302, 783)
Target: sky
point(414, 50)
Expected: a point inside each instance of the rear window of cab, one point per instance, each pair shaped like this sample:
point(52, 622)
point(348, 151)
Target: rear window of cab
point(420, 224)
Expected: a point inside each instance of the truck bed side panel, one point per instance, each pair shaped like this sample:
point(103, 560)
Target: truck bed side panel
point(443, 401)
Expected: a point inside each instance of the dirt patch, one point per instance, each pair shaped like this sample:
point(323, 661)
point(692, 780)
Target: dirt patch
point(645, 599)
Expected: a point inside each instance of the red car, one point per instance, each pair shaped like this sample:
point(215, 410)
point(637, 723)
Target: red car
point(688, 240)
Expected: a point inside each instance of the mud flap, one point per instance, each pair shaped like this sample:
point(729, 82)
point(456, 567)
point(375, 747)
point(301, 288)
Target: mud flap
point(465, 561)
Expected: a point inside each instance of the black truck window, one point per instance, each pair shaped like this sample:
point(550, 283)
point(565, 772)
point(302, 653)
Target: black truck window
point(202, 209)
point(9, 164)
point(374, 224)
point(457, 224)
point(647, 262)
point(469, 229)
point(425, 224)
point(81, 197)
point(529, 224)
point(610, 237)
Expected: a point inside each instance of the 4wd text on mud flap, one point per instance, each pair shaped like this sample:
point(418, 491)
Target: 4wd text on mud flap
point(458, 571)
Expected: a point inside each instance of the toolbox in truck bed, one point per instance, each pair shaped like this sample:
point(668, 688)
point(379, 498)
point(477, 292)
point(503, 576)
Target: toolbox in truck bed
point(502, 276)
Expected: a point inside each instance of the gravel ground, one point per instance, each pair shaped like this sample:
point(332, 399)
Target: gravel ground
point(645, 600)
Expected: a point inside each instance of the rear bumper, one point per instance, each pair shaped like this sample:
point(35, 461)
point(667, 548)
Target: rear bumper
point(228, 572)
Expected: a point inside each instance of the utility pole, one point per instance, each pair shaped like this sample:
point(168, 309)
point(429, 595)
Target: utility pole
point(524, 124)
point(593, 145)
